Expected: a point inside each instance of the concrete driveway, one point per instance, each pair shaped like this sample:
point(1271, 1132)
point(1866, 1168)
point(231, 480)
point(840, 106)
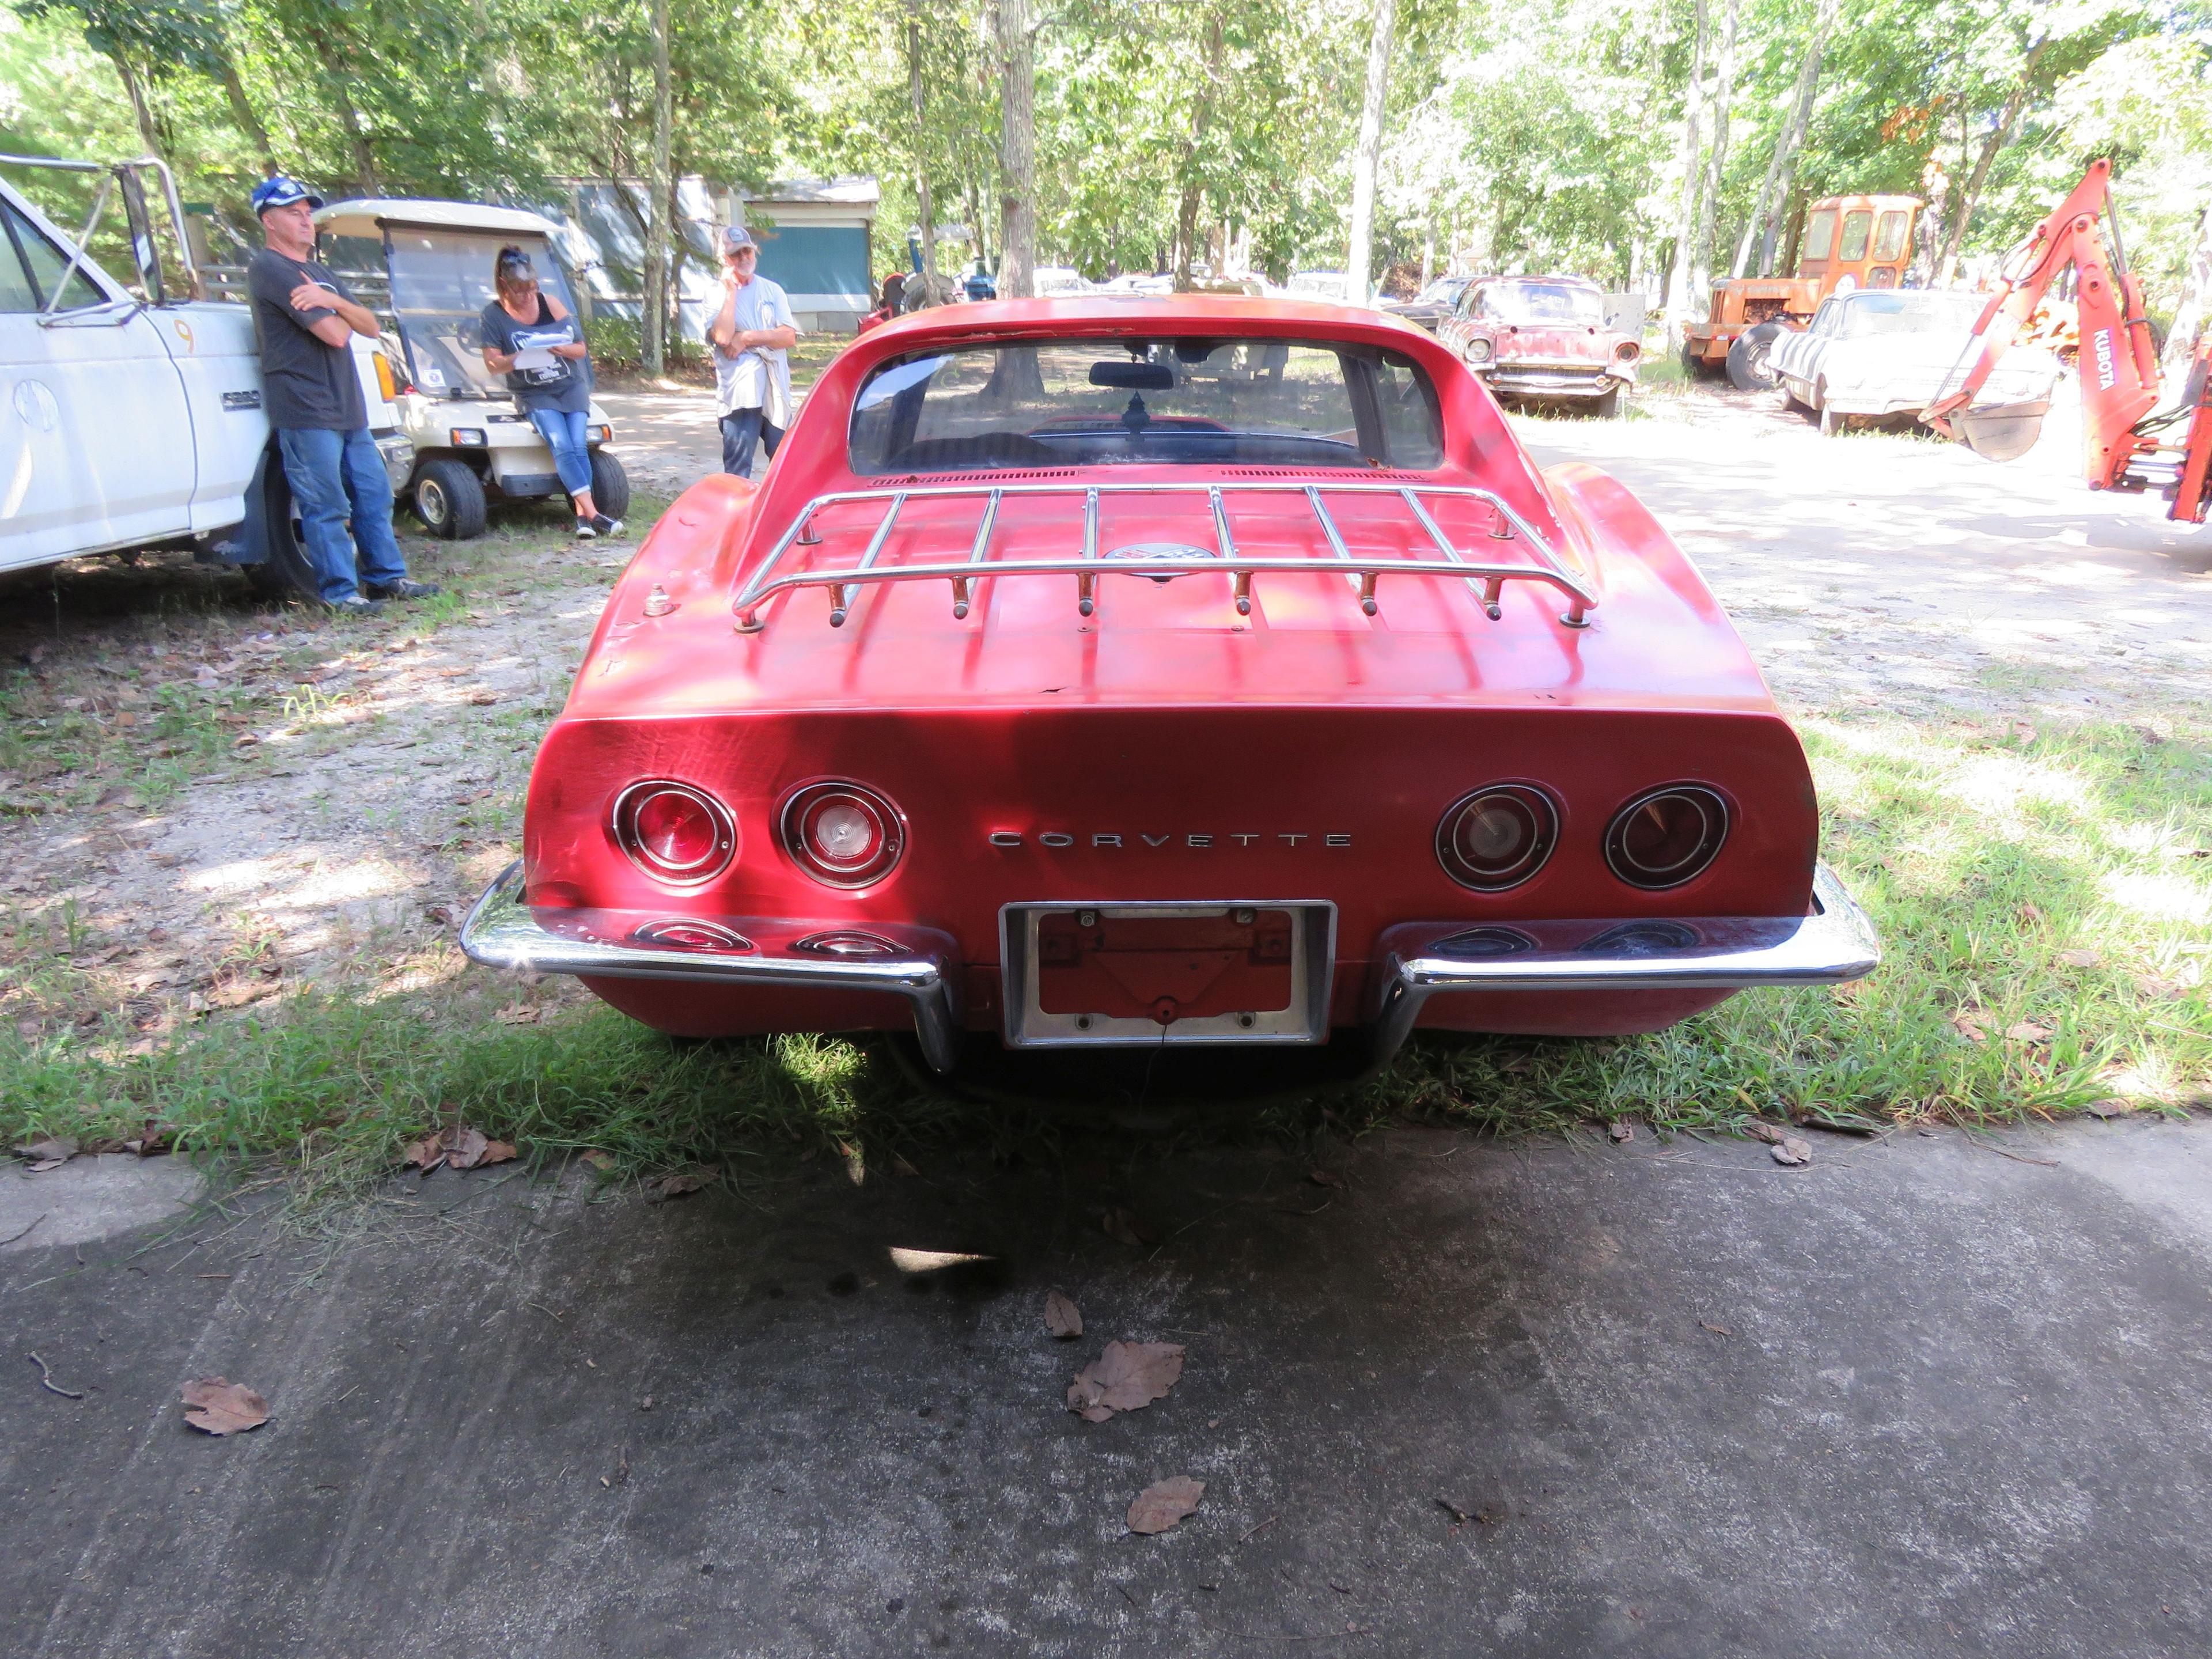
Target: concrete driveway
point(1924, 1396)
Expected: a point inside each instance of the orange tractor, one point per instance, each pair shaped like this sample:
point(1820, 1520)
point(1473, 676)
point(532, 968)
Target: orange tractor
point(2125, 445)
point(1850, 242)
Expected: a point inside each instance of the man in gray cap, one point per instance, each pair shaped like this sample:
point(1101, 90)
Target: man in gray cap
point(751, 333)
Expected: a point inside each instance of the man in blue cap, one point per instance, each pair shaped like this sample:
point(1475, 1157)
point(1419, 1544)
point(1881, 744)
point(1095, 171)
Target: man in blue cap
point(307, 320)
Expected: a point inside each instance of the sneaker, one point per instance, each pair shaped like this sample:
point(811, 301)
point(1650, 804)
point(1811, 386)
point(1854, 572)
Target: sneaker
point(354, 604)
point(404, 589)
point(605, 525)
point(586, 531)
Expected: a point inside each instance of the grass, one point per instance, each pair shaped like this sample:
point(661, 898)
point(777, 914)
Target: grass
point(2059, 880)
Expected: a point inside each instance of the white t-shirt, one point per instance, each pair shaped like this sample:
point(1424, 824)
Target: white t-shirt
point(759, 377)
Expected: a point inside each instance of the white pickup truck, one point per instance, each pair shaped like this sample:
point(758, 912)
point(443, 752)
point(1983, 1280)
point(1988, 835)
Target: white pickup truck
point(133, 420)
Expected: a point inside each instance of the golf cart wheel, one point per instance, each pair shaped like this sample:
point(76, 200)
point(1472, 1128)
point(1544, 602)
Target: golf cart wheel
point(449, 499)
point(610, 484)
point(1749, 369)
point(285, 573)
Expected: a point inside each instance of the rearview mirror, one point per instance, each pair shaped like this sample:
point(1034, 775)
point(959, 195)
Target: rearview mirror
point(1132, 376)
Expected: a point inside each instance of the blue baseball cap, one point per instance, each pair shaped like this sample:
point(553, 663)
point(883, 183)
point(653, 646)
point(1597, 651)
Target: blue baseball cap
point(281, 191)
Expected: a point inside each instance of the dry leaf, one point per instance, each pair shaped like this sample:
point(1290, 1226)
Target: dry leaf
point(1126, 1378)
point(219, 1407)
point(2023, 731)
point(856, 1166)
point(1122, 1224)
point(497, 1152)
point(1970, 1028)
point(597, 1159)
point(1160, 1506)
point(1759, 1130)
point(1324, 1178)
point(2110, 1107)
point(518, 1013)
point(2027, 1032)
point(47, 1151)
point(1061, 1317)
point(427, 1153)
point(483, 699)
point(677, 1182)
point(2152, 989)
point(1791, 1151)
point(2030, 915)
point(900, 1166)
point(2081, 959)
point(1622, 1132)
point(464, 1149)
point(1717, 1330)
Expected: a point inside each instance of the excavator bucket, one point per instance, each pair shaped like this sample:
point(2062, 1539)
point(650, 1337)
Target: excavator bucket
point(1998, 432)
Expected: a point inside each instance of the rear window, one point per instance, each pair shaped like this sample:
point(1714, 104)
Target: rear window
point(1093, 403)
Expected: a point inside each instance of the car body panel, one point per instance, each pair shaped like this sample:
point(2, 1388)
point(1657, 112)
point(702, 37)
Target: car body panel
point(1167, 747)
point(1492, 329)
point(1832, 365)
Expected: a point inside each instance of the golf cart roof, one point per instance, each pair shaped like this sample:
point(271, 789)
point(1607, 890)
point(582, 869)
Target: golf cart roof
point(366, 216)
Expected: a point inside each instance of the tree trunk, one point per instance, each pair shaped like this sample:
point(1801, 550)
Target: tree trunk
point(2190, 315)
point(1367, 158)
point(920, 151)
point(141, 110)
point(1693, 179)
point(241, 112)
point(1758, 232)
point(2000, 135)
point(1429, 253)
point(659, 188)
point(1709, 199)
point(1016, 150)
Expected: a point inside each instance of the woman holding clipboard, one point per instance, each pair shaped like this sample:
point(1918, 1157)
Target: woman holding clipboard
point(530, 337)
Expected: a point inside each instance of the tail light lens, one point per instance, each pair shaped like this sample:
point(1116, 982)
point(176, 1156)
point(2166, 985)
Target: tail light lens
point(1667, 836)
point(844, 834)
point(1498, 837)
point(674, 832)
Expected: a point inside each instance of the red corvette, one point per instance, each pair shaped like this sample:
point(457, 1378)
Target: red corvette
point(1167, 671)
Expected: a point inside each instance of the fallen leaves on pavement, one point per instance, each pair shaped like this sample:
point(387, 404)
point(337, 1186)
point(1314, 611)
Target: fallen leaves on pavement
point(215, 1406)
point(1622, 1132)
point(1162, 1505)
point(1759, 1130)
point(46, 1152)
point(1792, 1151)
point(1970, 1028)
point(1126, 1378)
point(463, 1147)
point(518, 1013)
point(1061, 1317)
point(2028, 1032)
point(677, 1182)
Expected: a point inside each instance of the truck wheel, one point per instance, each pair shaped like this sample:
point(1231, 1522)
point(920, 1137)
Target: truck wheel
point(1749, 369)
point(285, 573)
point(449, 499)
point(610, 484)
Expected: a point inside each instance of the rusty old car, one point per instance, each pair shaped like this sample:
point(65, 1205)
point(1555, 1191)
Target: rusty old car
point(1101, 673)
point(1544, 339)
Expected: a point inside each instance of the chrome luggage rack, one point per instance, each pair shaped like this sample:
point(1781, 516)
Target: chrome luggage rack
point(1486, 579)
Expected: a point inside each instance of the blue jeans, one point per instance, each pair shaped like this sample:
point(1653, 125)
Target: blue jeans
point(563, 432)
point(741, 429)
point(337, 476)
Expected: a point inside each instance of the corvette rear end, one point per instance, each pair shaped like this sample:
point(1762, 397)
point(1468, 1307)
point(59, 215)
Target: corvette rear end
point(1091, 674)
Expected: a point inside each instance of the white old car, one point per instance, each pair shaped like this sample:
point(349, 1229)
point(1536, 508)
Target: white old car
point(1891, 352)
point(130, 415)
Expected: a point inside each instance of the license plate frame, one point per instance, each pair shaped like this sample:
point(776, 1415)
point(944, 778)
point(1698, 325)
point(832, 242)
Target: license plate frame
point(1304, 1020)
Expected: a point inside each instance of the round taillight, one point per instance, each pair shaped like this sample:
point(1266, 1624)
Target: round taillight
point(1480, 351)
point(674, 832)
point(844, 834)
point(1498, 837)
point(1667, 836)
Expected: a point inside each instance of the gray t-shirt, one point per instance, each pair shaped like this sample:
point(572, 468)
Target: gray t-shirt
point(565, 384)
point(304, 383)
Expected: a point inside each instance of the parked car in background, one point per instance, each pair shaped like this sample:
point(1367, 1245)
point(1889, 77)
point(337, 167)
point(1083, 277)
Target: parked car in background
point(1891, 352)
point(1331, 287)
point(1058, 282)
point(425, 269)
point(1545, 339)
point(1137, 282)
point(1243, 683)
point(132, 415)
point(1434, 304)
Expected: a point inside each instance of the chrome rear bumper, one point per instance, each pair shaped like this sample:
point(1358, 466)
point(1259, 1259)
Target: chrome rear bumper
point(1416, 960)
point(913, 962)
point(1836, 945)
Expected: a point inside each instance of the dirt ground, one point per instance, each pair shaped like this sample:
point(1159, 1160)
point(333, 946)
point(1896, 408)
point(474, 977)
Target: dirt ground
point(368, 780)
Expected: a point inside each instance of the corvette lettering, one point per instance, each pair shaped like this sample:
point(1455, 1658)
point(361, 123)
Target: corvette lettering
point(1201, 839)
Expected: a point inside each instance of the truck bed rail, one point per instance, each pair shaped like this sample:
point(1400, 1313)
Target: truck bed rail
point(1485, 577)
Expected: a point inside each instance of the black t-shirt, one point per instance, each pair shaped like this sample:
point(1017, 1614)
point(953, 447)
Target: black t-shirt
point(304, 382)
point(565, 383)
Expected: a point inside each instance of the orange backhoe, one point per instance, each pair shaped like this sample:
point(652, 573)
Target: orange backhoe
point(2125, 444)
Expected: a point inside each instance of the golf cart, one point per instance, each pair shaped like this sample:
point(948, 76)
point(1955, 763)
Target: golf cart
point(425, 268)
